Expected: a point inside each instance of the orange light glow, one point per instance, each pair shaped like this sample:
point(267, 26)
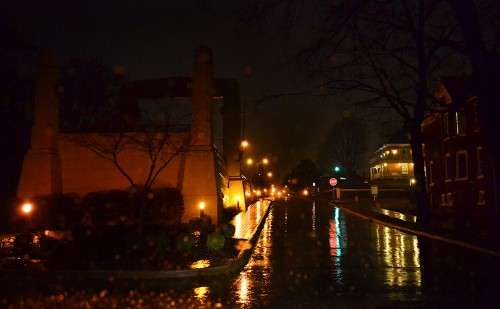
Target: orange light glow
point(27, 208)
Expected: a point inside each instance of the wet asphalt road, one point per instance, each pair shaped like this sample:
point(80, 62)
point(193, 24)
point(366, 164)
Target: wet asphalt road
point(312, 255)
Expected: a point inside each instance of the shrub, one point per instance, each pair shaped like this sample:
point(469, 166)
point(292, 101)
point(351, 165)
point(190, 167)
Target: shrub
point(23, 245)
point(207, 219)
point(195, 224)
point(227, 230)
point(161, 241)
point(165, 206)
point(215, 241)
point(108, 207)
point(55, 211)
point(207, 229)
point(185, 242)
point(229, 213)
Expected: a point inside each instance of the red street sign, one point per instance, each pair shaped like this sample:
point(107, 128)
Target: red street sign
point(333, 182)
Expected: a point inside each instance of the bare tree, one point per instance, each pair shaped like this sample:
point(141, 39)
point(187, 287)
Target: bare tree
point(382, 55)
point(344, 145)
point(158, 141)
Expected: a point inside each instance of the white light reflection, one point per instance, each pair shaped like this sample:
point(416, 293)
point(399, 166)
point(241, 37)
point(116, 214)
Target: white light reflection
point(314, 216)
point(334, 233)
point(237, 227)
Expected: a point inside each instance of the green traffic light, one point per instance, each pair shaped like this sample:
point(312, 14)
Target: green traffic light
point(336, 168)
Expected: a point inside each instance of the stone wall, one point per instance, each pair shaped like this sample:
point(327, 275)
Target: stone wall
point(83, 171)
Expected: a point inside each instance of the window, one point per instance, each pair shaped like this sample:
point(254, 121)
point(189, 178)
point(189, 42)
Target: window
point(481, 198)
point(448, 165)
point(462, 172)
point(460, 123)
point(446, 125)
point(480, 163)
point(404, 168)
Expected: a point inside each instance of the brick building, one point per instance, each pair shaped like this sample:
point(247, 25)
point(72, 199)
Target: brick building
point(455, 162)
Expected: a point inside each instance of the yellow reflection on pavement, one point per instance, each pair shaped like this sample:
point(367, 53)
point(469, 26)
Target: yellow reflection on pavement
point(400, 255)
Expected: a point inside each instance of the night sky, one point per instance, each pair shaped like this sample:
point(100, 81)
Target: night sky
point(153, 39)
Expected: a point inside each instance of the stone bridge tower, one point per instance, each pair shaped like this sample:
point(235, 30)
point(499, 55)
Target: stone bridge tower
point(41, 172)
point(200, 181)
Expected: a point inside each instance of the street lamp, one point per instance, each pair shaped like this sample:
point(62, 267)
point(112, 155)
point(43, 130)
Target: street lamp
point(26, 209)
point(243, 145)
point(202, 210)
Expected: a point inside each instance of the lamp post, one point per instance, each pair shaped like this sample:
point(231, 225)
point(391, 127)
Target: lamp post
point(26, 209)
point(238, 201)
point(202, 210)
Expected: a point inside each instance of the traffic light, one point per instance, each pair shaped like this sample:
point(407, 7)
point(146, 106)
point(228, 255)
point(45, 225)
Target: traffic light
point(336, 169)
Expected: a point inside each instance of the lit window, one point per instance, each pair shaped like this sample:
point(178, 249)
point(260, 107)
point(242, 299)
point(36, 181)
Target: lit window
point(404, 168)
point(460, 123)
point(462, 164)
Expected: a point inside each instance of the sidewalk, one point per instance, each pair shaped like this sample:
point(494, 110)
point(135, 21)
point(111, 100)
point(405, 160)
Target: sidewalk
point(406, 223)
point(248, 227)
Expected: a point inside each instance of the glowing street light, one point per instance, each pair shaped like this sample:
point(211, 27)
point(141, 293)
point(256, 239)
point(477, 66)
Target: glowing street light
point(26, 208)
point(202, 209)
point(244, 145)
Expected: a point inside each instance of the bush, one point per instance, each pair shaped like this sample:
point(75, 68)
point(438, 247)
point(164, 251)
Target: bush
point(227, 230)
point(229, 213)
point(161, 241)
point(207, 229)
point(185, 242)
point(23, 245)
point(195, 224)
point(55, 211)
point(109, 207)
point(215, 241)
point(165, 206)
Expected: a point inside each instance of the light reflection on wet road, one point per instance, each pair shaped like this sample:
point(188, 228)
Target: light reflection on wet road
point(312, 255)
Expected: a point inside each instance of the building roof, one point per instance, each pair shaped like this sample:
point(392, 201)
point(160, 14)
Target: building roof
point(459, 88)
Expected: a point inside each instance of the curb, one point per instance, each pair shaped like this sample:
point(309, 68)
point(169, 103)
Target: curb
point(417, 230)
